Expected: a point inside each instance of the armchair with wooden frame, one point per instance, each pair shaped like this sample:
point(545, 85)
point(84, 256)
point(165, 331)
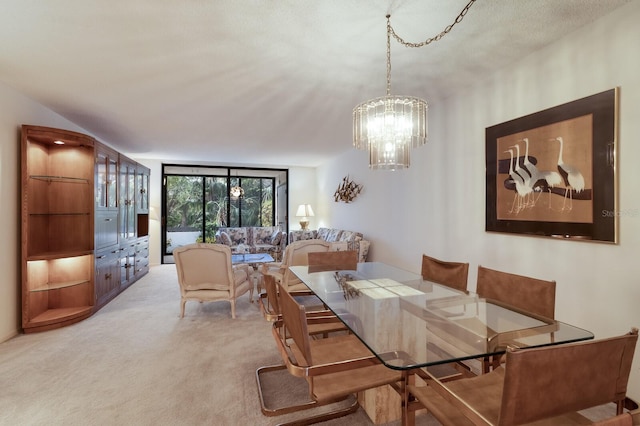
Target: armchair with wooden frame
point(549, 384)
point(205, 273)
point(334, 367)
point(295, 254)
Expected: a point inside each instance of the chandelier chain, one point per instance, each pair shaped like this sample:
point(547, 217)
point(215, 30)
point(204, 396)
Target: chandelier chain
point(444, 32)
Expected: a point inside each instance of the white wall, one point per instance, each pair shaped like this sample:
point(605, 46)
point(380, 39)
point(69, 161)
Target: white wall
point(438, 205)
point(15, 110)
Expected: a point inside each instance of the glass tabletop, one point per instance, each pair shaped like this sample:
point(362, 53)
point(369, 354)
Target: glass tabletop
point(408, 322)
point(251, 258)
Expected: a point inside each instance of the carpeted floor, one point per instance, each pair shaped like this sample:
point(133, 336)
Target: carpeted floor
point(136, 362)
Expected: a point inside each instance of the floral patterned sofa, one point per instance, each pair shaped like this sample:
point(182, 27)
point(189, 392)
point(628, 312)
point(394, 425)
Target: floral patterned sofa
point(258, 239)
point(339, 239)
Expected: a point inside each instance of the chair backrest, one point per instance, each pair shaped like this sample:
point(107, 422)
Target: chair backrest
point(296, 255)
point(451, 274)
point(554, 380)
point(295, 322)
point(332, 261)
point(270, 286)
point(204, 266)
point(529, 294)
point(297, 252)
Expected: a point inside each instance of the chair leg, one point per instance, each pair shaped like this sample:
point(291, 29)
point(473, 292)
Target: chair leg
point(233, 309)
point(182, 303)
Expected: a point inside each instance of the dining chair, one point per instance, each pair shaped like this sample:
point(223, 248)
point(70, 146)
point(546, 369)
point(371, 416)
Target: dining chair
point(451, 274)
point(630, 418)
point(531, 295)
point(295, 254)
point(205, 274)
point(550, 383)
point(270, 306)
point(334, 368)
point(332, 261)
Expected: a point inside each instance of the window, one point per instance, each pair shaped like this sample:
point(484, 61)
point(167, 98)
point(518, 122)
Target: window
point(198, 200)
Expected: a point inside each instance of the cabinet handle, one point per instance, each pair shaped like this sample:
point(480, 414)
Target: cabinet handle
point(102, 257)
point(108, 219)
point(107, 276)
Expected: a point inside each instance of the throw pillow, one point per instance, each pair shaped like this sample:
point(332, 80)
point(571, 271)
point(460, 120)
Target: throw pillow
point(276, 238)
point(225, 239)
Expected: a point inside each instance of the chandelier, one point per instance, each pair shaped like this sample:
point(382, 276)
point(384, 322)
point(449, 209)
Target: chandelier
point(236, 192)
point(390, 126)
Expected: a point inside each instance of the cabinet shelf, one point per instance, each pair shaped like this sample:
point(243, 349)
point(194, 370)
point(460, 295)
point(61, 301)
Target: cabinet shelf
point(67, 179)
point(61, 214)
point(57, 285)
point(57, 255)
point(54, 316)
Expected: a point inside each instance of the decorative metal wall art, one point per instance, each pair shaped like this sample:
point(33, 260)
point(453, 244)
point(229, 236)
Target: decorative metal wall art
point(347, 191)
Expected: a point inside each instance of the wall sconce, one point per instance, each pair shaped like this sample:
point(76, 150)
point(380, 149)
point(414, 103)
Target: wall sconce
point(304, 211)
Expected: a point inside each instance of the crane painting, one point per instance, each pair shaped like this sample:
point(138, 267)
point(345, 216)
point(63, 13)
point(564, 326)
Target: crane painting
point(553, 173)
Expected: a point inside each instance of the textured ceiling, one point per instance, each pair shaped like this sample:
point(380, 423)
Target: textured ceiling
point(256, 82)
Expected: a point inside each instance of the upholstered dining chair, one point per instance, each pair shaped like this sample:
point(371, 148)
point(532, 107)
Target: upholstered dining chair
point(332, 261)
point(532, 295)
point(205, 274)
point(322, 321)
point(334, 367)
point(295, 254)
point(451, 274)
point(550, 383)
point(630, 418)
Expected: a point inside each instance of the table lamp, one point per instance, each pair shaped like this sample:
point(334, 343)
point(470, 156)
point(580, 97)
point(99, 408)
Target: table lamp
point(304, 211)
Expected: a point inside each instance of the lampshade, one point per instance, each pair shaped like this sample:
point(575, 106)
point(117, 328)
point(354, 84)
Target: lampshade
point(304, 210)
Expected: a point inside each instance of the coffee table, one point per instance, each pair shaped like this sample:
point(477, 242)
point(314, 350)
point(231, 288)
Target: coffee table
point(254, 260)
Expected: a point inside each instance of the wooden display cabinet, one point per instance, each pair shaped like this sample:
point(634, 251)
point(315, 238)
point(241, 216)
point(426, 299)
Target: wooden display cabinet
point(57, 201)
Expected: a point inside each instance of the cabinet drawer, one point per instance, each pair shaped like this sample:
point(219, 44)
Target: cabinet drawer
point(106, 229)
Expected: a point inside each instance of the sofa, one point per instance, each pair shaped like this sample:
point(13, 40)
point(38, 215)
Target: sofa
point(257, 239)
point(340, 239)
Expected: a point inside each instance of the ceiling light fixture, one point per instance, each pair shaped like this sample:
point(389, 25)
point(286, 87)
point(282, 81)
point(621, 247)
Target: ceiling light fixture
point(388, 127)
point(236, 192)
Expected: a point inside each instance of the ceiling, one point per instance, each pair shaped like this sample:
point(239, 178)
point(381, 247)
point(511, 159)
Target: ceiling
point(256, 82)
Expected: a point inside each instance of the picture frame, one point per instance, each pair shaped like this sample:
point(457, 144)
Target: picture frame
point(564, 182)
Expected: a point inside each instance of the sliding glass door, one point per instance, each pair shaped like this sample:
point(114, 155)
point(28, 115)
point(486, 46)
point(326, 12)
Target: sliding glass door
point(197, 201)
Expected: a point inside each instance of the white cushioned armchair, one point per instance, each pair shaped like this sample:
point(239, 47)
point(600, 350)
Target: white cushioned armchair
point(205, 274)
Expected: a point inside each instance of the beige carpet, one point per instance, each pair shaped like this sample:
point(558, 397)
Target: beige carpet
point(136, 362)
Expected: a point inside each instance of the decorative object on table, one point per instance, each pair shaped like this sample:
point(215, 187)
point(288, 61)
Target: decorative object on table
point(347, 191)
point(388, 127)
point(553, 173)
point(304, 211)
point(242, 249)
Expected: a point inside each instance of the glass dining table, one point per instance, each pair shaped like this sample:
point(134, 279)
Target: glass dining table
point(411, 324)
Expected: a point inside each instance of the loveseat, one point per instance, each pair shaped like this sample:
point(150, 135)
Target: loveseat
point(257, 239)
point(340, 239)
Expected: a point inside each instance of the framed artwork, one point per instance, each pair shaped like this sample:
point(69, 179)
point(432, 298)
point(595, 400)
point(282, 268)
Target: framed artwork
point(553, 173)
